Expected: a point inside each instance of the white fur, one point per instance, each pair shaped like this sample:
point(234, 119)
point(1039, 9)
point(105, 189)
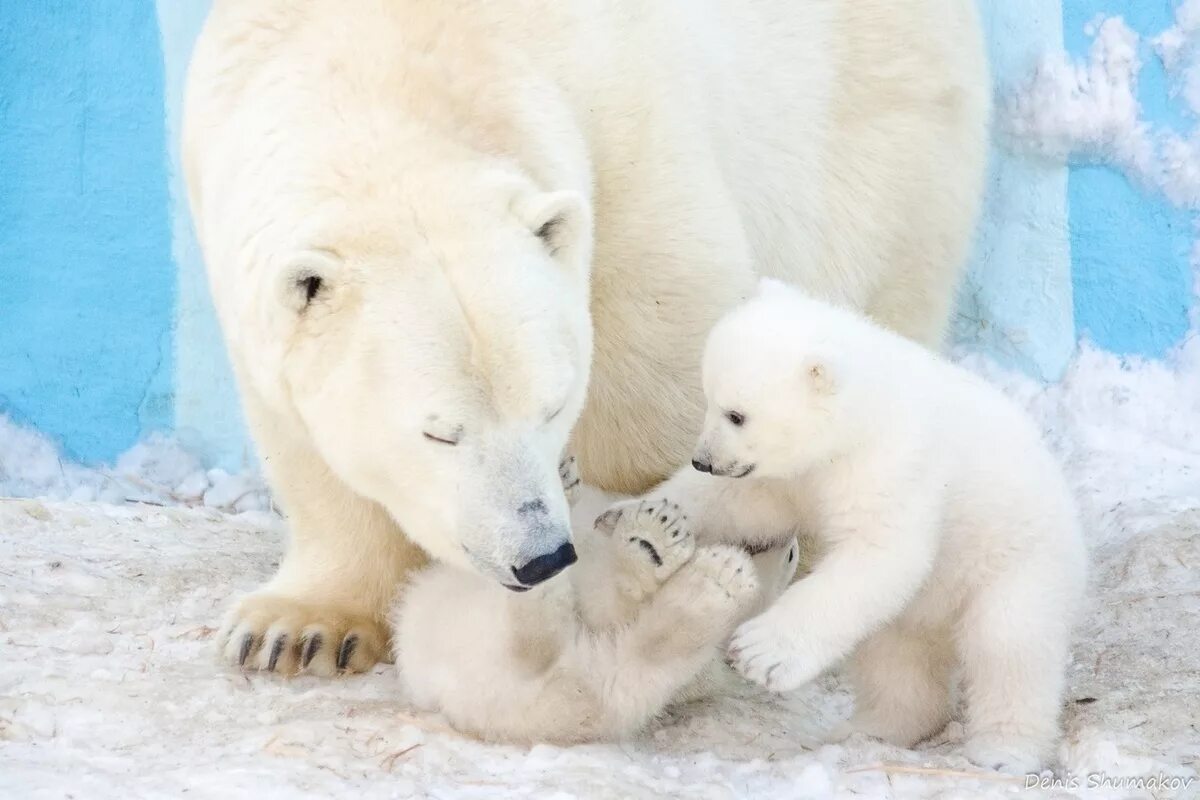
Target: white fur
point(949, 536)
point(596, 656)
point(408, 154)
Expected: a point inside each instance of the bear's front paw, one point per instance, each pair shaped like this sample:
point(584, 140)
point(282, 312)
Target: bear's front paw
point(1011, 755)
point(275, 633)
point(652, 538)
point(766, 651)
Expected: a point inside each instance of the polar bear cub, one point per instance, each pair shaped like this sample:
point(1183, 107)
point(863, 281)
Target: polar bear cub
point(595, 655)
point(950, 538)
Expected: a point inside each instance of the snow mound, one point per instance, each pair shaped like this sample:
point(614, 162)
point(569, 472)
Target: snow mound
point(158, 471)
point(1087, 110)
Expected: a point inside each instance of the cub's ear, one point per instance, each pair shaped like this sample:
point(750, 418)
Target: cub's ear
point(557, 218)
point(818, 374)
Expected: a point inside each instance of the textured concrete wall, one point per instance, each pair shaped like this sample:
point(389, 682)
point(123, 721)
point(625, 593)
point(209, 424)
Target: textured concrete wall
point(106, 326)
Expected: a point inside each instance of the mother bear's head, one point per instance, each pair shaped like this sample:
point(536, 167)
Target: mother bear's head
point(399, 261)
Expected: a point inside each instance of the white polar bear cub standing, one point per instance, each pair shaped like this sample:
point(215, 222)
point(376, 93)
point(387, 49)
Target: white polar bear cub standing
point(950, 537)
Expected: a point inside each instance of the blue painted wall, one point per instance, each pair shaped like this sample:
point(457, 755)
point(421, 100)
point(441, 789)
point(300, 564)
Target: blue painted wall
point(1016, 301)
point(1130, 247)
point(106, 327)
point(87, 281)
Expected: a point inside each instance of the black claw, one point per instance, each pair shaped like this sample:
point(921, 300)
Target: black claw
point(276, 651)
point(247, 646)
point(650, 551)
point(346, 651)
point(311, 646)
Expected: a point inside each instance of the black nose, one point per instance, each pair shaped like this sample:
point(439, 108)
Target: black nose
point(546, 566)
point(702, 466)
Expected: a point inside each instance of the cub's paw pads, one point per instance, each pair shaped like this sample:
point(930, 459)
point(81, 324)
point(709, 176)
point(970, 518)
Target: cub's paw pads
point(272, 633)
point(768, 653)
point(568, 472)
point(727, 570)
point(653, 534)
point(1013, 756)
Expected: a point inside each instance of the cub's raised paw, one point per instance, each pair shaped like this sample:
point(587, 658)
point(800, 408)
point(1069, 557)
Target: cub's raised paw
point(652, 537)
point(568, 472)
point(724, 574)
point(275, 633)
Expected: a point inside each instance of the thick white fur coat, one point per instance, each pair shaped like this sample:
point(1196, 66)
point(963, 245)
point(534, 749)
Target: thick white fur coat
point(445, 238)
point(949, 537)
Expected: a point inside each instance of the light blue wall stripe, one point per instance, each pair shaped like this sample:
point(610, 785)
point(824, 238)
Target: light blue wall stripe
point(87, 286)
point(1132, 269)
point(207, 415)
point(1016, 299)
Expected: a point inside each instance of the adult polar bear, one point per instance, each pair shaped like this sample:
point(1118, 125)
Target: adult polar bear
point(428, 224)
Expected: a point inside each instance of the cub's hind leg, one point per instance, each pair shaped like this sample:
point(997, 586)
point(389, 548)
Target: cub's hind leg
point(632, 552)
point(902, 682)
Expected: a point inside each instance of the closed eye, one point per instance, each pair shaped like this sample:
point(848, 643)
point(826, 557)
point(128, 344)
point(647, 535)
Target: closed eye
point(443, 439)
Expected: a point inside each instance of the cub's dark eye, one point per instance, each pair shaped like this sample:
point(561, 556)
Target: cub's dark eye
point(311, 286)
point(443, 439)
point(735, 418)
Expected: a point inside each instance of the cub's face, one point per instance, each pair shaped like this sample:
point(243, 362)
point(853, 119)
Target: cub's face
point(437, 357)
point(773, 407)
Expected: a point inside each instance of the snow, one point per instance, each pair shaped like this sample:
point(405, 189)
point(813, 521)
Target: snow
point(1087, 110)
point(111, 578)
point(157, 471)
point(109, 685)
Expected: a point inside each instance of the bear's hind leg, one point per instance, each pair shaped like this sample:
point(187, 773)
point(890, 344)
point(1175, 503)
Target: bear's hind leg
point(639, 669)
point(1013, 641)
point(635, 550)
point(901, 682)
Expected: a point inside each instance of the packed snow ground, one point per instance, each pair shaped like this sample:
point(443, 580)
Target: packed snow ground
point(109, 687)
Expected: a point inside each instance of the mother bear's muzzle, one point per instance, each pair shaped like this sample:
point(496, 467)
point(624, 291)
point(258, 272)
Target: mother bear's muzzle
point(544, 567)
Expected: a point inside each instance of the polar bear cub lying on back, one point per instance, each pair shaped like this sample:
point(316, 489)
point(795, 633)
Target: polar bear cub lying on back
point(950, 538)
point(594, 655)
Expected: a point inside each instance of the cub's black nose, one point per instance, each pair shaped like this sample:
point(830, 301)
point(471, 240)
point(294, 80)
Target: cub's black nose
point(702, 466)
point(546, 566)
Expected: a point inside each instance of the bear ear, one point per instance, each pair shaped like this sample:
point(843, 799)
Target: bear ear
point(557, 218)
point(818, 374)
point(306, 279)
